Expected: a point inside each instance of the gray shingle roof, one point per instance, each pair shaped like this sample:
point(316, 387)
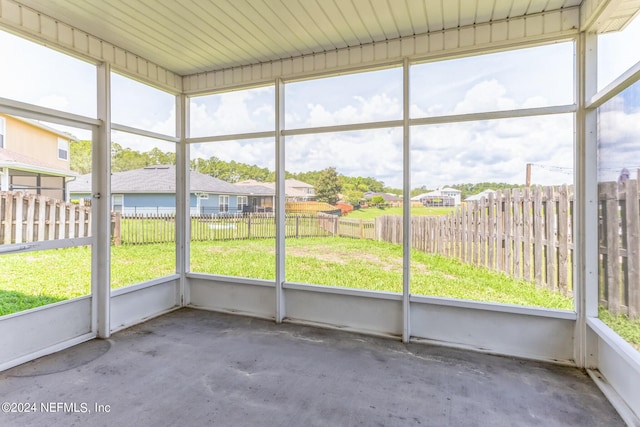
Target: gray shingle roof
point(156, 179)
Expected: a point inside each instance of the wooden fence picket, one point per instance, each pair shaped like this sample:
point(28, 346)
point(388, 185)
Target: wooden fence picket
point(28, 218)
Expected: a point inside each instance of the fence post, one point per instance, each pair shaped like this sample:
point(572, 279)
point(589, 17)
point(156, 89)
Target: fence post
point(526, 234)
point(31, 205)
point(8, 218)
point(42, 219)
point(517, 234)
point(563, 239)
point(612, 261)
point(117, 228)
point(19, 203)
point(633, 248)
point(537, 235)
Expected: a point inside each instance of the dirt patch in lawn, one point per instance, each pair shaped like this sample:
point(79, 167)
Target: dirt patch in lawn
point(330, 254)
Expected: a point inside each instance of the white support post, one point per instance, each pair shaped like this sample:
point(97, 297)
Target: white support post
point(4, 179)
point(406, 209)
point(183, 216)
point(586, 202)
point(101, 207)
point(280, 205)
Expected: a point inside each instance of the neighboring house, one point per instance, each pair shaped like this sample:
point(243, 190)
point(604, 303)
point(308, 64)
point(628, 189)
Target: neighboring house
point(261, 196)
point(34, 158)
point(441, 197)
point(151, 190)
point(390, 199)
point(295, 191)
point(480, 195)
point(300, 190)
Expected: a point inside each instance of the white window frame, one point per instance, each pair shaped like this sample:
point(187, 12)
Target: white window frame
point(3, 130)
point(223, 203)
point(63, 147)
point(115, 197)
point(242, 202)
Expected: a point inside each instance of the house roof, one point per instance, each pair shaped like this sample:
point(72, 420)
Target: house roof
point(435, 193)
point(156, 179)
point(12, 160)
point(480, 195)
point(440, 192)
point(386, 196)
point(291, 187)
point(256, 189)
point(294, 183)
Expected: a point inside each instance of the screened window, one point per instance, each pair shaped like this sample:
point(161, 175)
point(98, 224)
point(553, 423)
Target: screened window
point(539, 76)
point(63, 149)
point(117, 202)
point(242, 203)
point(224, 203)
point(2, 131)
point(240, 111)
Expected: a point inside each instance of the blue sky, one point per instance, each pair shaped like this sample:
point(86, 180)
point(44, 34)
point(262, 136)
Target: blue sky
point(496, 150)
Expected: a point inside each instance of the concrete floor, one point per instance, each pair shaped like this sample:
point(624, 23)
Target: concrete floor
point(198, 368)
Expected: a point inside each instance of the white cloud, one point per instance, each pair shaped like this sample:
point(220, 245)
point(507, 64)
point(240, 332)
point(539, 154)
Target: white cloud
point(618, 145)
point(487, 95)
point(379, 107)
point(233, 112)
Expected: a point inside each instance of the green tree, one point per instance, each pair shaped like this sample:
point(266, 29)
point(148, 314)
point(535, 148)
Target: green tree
point(159, 157)
point(354, 197)
point(377, 200)
point(126, 159)
point(328, 186)
point(80, 156)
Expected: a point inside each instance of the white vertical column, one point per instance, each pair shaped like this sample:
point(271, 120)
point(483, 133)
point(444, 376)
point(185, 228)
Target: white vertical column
point(183, 216)
point(280, 205)
point(586, 202)
point(4, 179)
point(101, 207)
point(406, 208)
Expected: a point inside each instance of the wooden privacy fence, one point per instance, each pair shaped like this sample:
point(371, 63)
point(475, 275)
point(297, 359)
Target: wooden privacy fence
point(525, 233)
point(35, 218)
point(619, 247)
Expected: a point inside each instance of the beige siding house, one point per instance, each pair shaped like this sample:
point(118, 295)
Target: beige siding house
point(33, 158)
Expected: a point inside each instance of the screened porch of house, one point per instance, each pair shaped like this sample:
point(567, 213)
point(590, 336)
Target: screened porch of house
point(518, 306)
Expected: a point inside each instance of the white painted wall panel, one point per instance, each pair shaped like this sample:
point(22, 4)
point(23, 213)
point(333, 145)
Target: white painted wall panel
point(619, 365)
point(232, 296)
point(501, 332)
point(358, 311)
point(535, 26)
point(33, 331)
point(621, 375)
point(135, 305)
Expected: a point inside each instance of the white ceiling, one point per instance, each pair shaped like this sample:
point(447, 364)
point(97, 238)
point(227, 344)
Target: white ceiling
point(194, 36)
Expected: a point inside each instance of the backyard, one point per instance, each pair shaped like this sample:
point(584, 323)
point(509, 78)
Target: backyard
point(245, 247)
point(331, 261)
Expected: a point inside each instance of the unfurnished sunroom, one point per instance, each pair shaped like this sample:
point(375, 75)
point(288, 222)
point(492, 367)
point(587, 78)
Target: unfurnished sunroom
point(527, 108)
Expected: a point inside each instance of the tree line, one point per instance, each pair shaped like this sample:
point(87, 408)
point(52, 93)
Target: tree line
point(328, 183)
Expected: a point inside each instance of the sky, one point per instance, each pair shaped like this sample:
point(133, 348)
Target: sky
point(442, 154)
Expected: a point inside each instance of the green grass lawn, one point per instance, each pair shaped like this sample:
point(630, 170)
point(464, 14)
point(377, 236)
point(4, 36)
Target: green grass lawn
point(352, 263)
point(37, 278)
point(373, 212)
